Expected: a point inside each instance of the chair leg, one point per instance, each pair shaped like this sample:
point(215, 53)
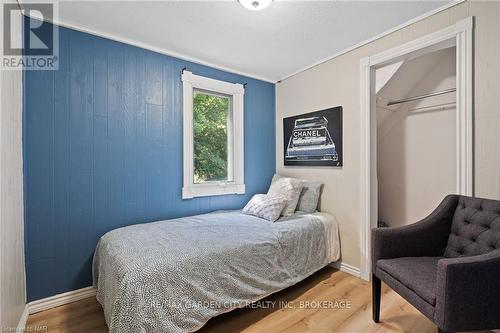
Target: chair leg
point(376, 286)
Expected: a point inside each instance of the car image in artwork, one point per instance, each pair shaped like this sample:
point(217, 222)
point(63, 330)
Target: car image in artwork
point(310, 140)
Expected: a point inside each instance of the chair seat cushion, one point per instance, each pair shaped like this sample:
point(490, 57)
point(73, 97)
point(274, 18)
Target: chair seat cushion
point(416, 273)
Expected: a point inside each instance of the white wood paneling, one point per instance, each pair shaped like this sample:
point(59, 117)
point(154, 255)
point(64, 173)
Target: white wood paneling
point(12, 275)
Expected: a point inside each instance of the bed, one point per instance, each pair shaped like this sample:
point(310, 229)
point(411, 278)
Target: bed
point(174, 275)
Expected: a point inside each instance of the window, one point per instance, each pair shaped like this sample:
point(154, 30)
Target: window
point(213, 137)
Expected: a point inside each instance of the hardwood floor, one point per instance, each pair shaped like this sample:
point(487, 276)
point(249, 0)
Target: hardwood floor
point(327, 286)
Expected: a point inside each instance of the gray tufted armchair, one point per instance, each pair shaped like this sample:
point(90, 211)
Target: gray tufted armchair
point(447, 265)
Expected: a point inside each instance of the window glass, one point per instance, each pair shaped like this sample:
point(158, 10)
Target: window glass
point(211, 137)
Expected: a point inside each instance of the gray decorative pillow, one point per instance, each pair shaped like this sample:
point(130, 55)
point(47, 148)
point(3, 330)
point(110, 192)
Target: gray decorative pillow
point(265, 206)
point(308, 200)
point(309, 197)
point(289, 189)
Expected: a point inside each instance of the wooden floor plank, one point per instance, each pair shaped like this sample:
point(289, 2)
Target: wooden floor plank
point(306, 307)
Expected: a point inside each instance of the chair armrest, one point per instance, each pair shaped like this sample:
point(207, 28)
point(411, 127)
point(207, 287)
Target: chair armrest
point(427, 237)
point(468, 293)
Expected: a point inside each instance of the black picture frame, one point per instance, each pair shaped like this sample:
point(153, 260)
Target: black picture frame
point(314, 138)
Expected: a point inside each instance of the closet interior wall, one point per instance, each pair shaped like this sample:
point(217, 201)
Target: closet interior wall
point(416, 140)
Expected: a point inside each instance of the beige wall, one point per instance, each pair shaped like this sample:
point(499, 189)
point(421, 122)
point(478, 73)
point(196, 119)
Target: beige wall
point(337, 82)
point(12, 277)
point(416, 153)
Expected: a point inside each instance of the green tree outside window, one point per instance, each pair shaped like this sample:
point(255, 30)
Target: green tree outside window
point(210, 117)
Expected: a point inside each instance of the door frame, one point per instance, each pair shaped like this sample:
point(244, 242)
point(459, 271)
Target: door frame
point(461, 36)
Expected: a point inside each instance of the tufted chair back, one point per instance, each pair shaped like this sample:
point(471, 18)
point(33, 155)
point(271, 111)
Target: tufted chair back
point(475, 228)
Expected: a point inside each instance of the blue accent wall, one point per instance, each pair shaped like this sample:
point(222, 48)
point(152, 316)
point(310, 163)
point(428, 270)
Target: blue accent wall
point(103, 149)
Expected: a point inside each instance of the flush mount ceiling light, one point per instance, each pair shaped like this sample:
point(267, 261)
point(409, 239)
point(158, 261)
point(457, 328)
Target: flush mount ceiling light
point(255, 4)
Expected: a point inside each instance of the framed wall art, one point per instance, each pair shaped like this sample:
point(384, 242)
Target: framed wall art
point(314, 138)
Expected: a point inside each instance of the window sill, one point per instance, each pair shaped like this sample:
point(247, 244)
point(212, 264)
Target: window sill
point(206, 190)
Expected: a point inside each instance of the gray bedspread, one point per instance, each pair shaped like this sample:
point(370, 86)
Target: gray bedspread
point(174, 275)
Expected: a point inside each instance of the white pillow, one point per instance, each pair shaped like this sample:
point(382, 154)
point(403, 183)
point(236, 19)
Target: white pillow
point(289, 189)
point(265, 206)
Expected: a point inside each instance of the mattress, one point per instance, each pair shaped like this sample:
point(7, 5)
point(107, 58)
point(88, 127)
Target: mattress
point(174, 275)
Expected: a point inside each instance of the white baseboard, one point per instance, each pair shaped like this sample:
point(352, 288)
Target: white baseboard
point(346, 268)
point(60, 299)
point(21, 326)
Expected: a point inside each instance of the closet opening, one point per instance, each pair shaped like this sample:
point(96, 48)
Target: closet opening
point(416, 137)
point(416, 129)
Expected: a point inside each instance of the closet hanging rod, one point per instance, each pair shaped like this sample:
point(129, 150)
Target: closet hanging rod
point(414, 98)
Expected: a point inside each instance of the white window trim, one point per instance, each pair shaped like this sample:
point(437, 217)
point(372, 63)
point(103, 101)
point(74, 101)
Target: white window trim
point(191, 190)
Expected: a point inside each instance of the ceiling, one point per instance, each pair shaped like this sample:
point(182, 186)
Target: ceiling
point(272, 44)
